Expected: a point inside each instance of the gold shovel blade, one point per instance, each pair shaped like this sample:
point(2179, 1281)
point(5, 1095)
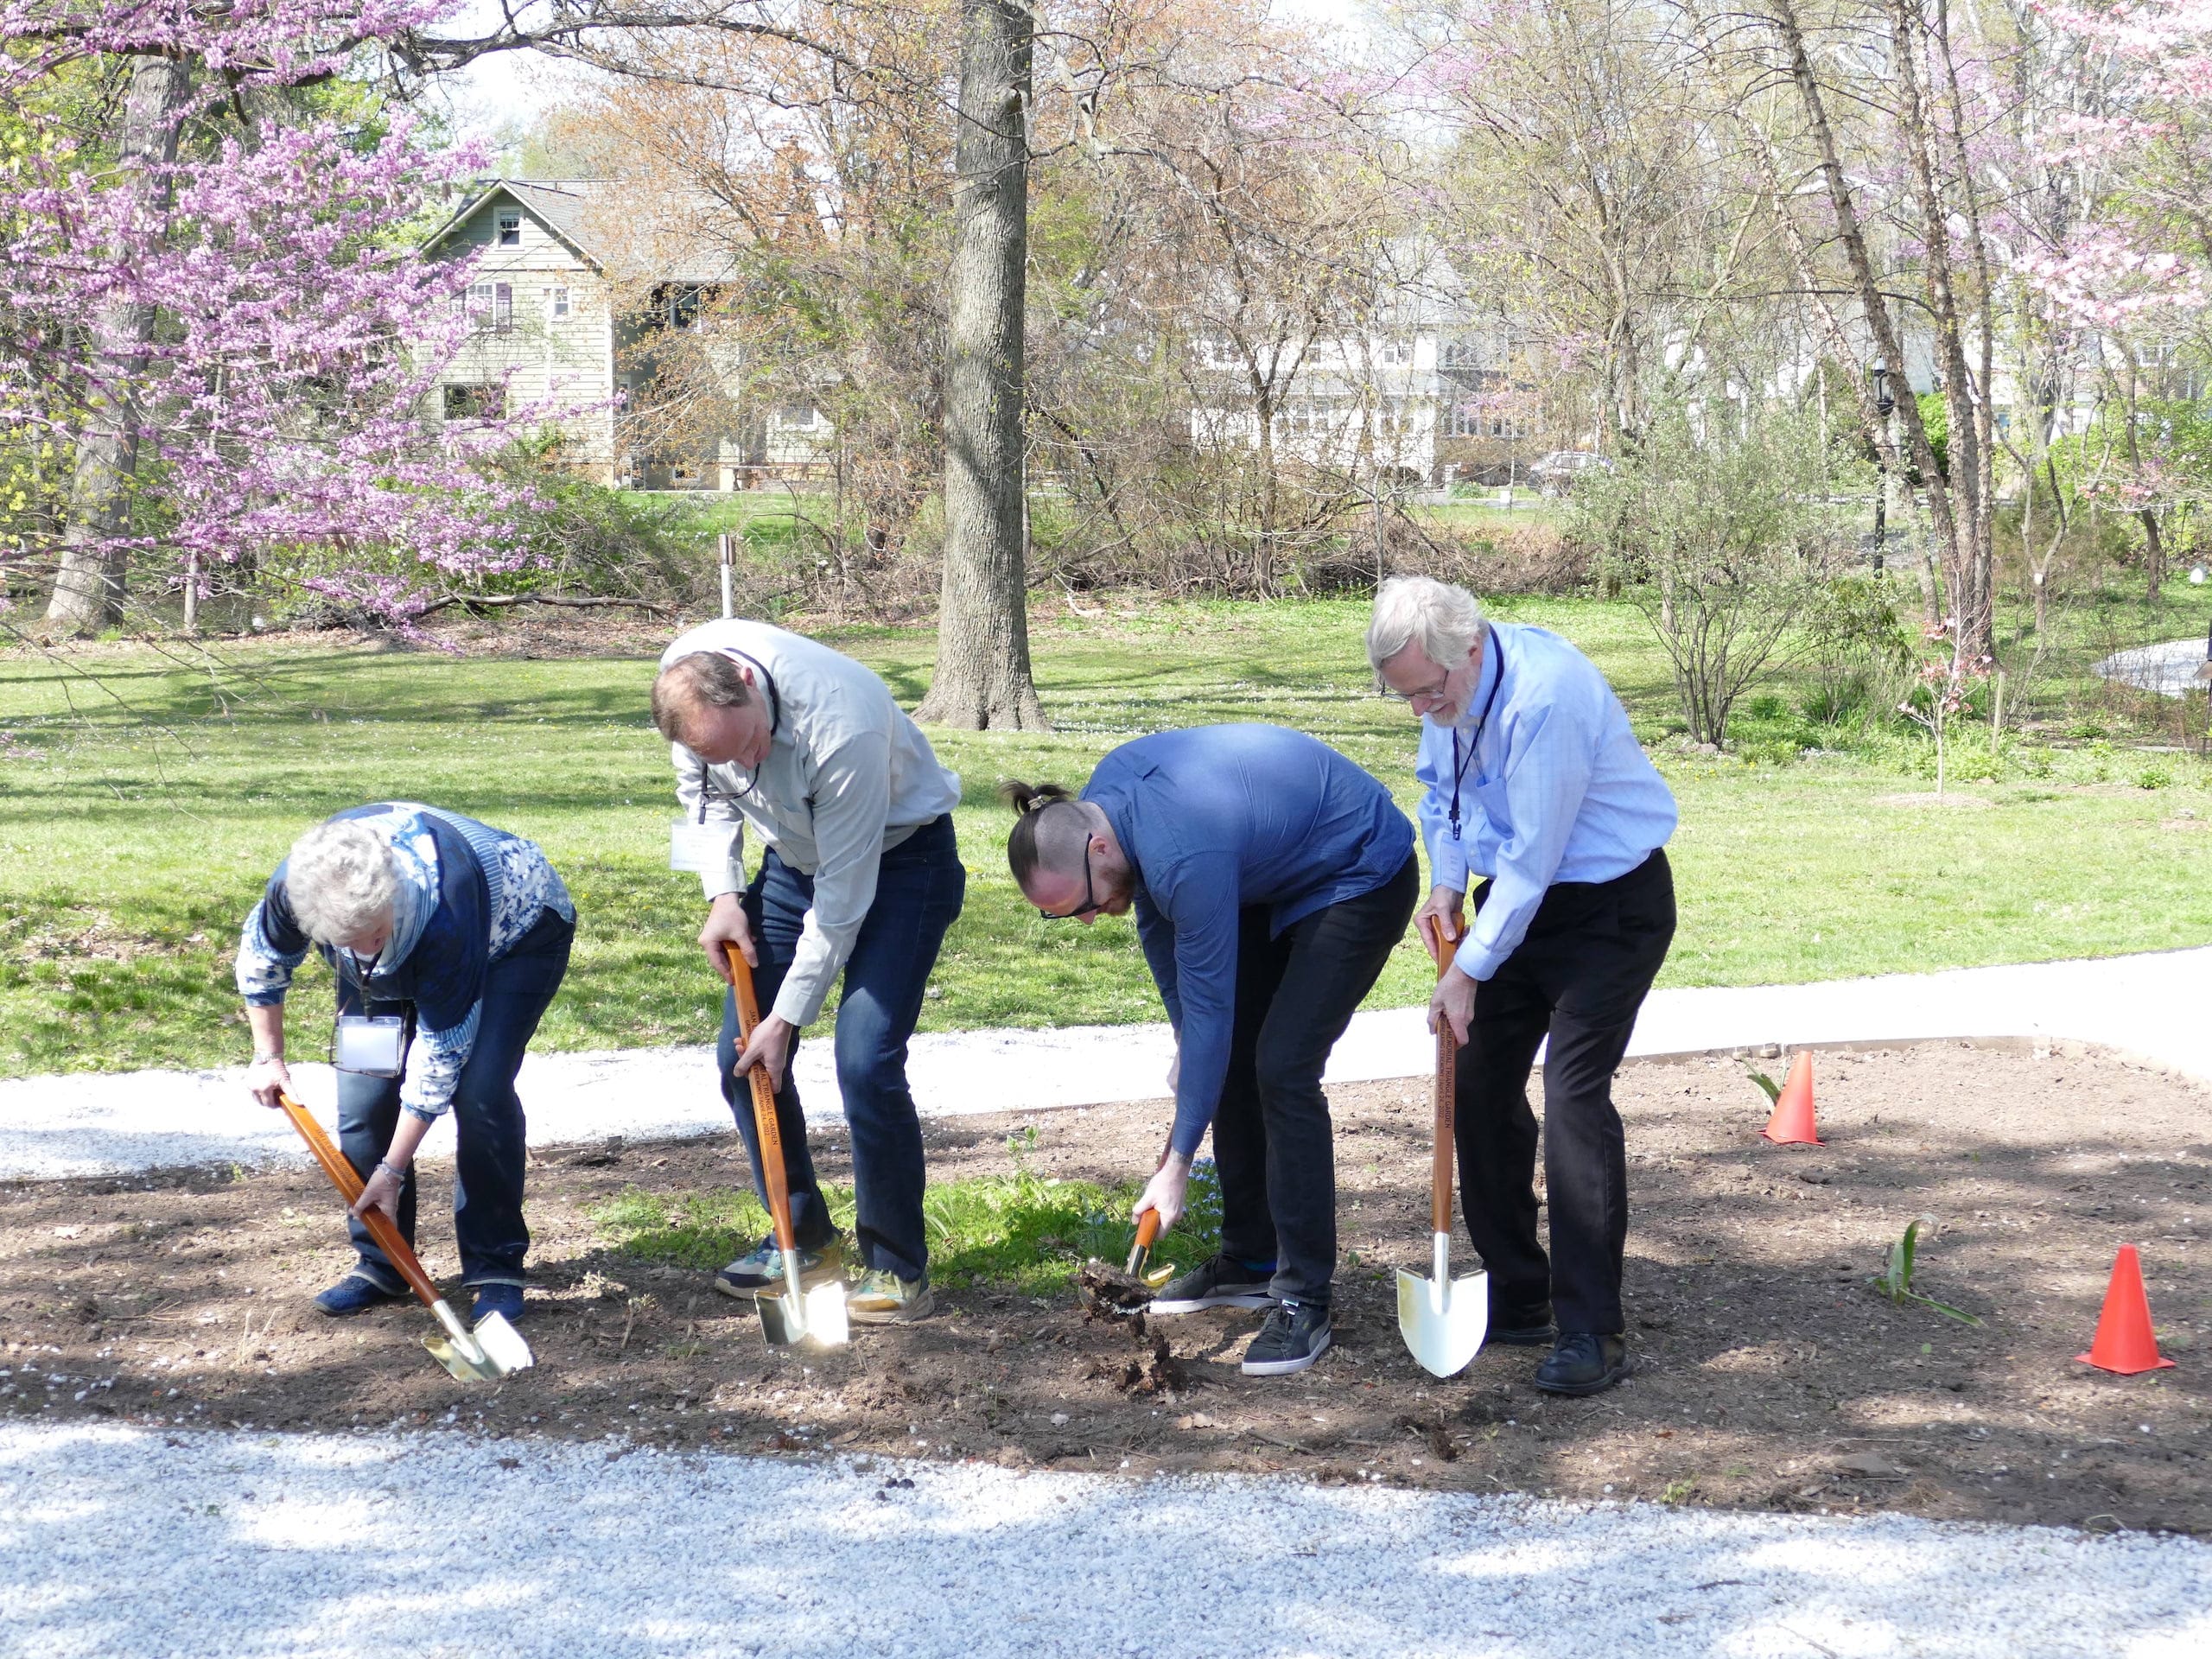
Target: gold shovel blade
point(819, 1317)
point(1443, 1323)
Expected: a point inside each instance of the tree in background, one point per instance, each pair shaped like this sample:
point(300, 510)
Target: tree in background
point(1715, 527)
point(206, 312)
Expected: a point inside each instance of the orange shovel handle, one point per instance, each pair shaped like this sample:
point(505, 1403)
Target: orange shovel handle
point(1448, 1066)
point(1148, 1229)
point(349, 1188)
point(766, 1128)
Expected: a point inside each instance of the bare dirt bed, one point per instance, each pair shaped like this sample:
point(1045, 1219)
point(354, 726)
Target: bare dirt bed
point(1769, 1374)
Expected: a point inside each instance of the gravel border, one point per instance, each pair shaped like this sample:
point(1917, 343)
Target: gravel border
point(115, 1542)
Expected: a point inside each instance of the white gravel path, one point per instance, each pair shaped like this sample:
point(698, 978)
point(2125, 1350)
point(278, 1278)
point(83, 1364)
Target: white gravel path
point(2169, 669)
point(2151, 1007)
point(116, 1542)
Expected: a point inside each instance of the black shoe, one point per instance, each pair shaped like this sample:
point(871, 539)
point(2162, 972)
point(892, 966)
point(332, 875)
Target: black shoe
point(1527, 1328)
point(1583, 1363)
point(1218, 1283)
point(1295, 1335)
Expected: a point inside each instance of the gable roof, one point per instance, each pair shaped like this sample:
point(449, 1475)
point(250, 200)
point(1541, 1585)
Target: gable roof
point(575, 213)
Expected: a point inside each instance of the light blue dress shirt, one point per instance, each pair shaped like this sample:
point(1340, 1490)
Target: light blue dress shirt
point(1552, 786)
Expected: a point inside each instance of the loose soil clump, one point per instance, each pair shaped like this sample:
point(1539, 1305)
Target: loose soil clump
point(1770, 1373)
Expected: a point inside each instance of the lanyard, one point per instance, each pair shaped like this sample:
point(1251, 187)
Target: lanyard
point(775, 719)
point(1459, 765)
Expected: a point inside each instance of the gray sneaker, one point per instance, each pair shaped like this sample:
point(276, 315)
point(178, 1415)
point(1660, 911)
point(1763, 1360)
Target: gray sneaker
point(1218, 1283)
point(763, 1265)
point(879, 1297)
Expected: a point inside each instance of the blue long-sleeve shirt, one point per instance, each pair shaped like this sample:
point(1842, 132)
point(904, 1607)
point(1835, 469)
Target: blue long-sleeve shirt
point(1553, 787)
point(467, 893)
point(1215, 818)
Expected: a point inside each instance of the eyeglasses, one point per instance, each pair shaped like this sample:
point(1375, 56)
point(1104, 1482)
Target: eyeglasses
point(1090, 901)
point(1427, 693)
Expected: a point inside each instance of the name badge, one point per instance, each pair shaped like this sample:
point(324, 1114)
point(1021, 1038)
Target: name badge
point(700, 847)
point(374, 1046)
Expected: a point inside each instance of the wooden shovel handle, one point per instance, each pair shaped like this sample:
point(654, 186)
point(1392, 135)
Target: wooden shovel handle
point(349, 1188)
point(766, 1128)
point(1448, 1066)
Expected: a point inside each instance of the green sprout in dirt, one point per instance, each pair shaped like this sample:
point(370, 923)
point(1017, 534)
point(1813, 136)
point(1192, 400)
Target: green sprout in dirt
point(1773, 1089)
point(1895, 1280)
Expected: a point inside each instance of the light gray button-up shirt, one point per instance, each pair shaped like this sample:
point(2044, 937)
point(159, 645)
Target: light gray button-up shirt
point(848, 775)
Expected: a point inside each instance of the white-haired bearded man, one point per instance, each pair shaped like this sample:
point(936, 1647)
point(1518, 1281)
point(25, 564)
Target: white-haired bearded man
point(1533, 782)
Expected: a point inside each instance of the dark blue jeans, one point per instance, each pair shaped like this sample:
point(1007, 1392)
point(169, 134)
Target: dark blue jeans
point(918, 890)
point(486, 1112)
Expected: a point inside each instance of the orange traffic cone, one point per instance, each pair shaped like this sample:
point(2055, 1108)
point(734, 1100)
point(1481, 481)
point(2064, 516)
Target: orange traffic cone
point(1792, 1123)
point(2126, 1344)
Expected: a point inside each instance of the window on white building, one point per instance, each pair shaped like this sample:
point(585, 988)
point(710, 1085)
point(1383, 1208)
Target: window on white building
point(1479, 420)
point(1396, 353)
point(556, 302)
point(1219, 352)
point(510, 227)
point(492, 308)
point(475, 402)
point(798, 418)
point(1306, 417)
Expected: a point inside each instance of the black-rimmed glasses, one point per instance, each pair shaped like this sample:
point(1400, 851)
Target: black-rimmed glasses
point(1091, 902)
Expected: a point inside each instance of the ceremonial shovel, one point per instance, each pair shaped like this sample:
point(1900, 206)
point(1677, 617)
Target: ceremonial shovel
point(491, 1351)
point(1443, 1319)
point(790, 1314)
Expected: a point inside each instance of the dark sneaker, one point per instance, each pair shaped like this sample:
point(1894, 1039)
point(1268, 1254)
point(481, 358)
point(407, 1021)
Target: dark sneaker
point(763, 1265)
point(354, 1294)
point(1583, 1363)
point(1295, 1335)
point(503, 1300)
point(879, 1297)
point(1218, 1283)
point(1529, 1327)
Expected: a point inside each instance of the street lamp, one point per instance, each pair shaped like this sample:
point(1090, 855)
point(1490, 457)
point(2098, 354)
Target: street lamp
point(1885, 402)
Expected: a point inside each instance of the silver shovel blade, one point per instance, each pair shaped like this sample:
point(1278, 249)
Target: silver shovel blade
point(491, 1351)
point(1443, 1321)
point(819, 1317)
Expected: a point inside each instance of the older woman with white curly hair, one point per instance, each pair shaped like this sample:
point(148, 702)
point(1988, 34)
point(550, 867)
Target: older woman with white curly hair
point(448, 939)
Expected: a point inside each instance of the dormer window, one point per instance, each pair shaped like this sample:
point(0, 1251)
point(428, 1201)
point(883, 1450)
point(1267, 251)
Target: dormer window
point(510, 222)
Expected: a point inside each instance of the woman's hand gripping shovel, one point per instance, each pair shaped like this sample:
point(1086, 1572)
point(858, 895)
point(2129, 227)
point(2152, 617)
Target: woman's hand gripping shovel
point(792, 1314)
point(1443, 1319)
point(491, 1351)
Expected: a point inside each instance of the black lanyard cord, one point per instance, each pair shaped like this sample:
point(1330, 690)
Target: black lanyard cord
point(1458, 765)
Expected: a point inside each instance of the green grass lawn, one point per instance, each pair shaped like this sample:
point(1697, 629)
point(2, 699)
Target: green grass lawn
point(145, 795)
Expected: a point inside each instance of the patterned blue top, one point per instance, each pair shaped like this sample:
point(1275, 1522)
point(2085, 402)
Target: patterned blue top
point(467, 892)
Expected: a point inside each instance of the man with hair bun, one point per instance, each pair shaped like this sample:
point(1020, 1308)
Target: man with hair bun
point(1533, 783)
point(1271, 878)
point(448, 939)
point(859, 872)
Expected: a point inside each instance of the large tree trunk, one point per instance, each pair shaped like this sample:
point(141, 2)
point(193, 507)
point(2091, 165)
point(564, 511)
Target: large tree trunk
point(88, 588)
point(982, 679)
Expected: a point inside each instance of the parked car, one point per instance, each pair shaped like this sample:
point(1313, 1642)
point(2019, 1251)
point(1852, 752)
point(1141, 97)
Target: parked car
point(1556, 473)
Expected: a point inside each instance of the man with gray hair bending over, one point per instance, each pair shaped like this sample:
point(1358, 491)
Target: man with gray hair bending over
point(859, 871)
point(449, 939)
point(1534, 782)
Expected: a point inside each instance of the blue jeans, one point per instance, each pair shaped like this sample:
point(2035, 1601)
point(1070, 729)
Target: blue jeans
point(918, 890)
point(487, 1113)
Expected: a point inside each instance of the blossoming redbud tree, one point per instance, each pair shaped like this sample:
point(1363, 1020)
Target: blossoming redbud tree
point(211, 321)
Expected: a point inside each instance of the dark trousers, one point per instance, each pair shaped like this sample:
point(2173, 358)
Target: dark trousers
point(488, 1117)
point(1579, 977)
point(1272, 1138)
point(919, 887)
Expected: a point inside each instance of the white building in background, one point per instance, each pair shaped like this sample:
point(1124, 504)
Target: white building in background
point(547, 329)
point(1422, 392)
